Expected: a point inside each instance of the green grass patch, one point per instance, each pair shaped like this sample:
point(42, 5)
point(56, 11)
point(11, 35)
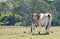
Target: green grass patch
point(18, 33)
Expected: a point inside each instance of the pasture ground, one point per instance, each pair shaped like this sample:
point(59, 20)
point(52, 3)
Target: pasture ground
point(18, 33)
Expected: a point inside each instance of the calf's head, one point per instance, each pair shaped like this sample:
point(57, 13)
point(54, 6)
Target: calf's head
point(36, 17)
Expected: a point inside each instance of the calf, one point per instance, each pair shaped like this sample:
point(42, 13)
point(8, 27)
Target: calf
point(43, 20)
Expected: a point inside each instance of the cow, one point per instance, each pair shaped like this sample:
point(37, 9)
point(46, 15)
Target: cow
point(43, 20)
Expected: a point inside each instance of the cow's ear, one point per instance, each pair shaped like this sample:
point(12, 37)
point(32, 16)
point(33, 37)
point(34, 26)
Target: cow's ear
point(38, 16)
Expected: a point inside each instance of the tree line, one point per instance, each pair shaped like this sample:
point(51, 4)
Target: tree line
point(19, 13)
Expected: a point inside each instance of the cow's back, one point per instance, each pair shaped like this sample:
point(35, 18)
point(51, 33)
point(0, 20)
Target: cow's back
point(44, 19)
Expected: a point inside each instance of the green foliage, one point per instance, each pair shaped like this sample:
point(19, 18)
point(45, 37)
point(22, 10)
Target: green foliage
point(18, 24)
point(20, 12)
point(8, 19)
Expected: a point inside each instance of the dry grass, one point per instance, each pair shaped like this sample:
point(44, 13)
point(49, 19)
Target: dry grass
point(18, 33)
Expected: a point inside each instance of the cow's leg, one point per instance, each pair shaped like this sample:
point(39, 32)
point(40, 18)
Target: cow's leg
point(48, 27)
point(33, 29)
point(39, 28)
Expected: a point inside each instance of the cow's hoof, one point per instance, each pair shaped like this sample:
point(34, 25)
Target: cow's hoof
point(38, 32)
point(47, 33)
point(33, 34)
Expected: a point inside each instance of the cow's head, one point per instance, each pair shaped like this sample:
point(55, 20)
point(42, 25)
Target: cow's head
point(36, 17)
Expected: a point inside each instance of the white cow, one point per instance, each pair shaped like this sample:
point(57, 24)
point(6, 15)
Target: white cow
point(43, 20)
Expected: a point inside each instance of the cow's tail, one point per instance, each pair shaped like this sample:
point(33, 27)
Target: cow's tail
point(48, 21)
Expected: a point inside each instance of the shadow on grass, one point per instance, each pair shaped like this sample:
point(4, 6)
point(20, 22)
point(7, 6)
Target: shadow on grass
point(41, 34)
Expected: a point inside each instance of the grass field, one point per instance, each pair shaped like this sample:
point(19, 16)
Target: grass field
point(18, 33)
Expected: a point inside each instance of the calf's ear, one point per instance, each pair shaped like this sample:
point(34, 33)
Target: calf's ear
point(38, 16)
